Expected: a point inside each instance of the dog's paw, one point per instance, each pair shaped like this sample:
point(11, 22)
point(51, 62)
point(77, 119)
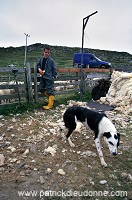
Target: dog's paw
point(104, 164)
point(71, 144)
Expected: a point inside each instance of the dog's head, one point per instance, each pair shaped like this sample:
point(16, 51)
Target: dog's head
point(112, 139)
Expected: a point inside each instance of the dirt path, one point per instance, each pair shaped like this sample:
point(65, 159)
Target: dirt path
point(30, 172)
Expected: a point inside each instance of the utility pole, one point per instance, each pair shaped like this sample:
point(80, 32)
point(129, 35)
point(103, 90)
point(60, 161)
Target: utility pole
point(27, 35)
point(85, 21)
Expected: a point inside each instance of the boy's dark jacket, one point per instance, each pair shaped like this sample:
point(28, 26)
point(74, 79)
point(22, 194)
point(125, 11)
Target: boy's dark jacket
point(50, 68)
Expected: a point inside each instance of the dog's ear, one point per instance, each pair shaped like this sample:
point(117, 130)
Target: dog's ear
point(107, 134)
point(118, 135)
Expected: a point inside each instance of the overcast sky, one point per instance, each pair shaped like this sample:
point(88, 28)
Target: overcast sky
point(59, 22)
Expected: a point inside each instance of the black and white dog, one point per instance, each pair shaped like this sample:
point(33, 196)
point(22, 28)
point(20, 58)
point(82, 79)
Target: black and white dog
point(97, 122)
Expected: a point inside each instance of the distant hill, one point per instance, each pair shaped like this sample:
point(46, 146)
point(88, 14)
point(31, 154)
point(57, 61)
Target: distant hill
point(62, 55)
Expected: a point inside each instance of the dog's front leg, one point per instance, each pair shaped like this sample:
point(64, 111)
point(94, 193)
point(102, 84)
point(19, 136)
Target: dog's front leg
point(71, 129)
point(98, 147)
point(70, 142)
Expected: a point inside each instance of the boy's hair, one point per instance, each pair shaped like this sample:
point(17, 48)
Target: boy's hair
point(46, 47)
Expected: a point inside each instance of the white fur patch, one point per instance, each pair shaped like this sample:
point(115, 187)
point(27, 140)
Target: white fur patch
point(78, 127)
point(86, 124)
point(105, 125)
point(70, 142)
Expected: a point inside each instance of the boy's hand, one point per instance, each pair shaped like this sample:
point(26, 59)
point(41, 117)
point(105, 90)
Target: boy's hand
point(41, 71)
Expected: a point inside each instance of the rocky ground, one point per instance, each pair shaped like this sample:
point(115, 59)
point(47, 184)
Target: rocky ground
point(36, 163)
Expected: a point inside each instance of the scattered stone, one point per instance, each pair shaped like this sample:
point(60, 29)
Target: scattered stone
point(51, 150)
point(35, 169)
point(53, 131)
point(2, 160)
point(1, 138)
point(10, 128)
point(2, 169)
point(130, 177)
point(91, 181)
point(61, 172)
point(118, 183)
point(27, 166)
point(22, 174)
point(41, 179)
point(33, 148)
point(20, 179)
point(14, 120)
point(78, 152)
point(48, 171)
point(7, 143)
point(88, 153)
point(30, 122)
point(12, 160)
point(64, 150)
point(13, 149)
point(3, 145)
point(33, 161)
point(1, 124)
point(113, 176)
point(89, 166)
point(103, 182)
point(26, 152)
point(20, 165)
point(126, 176)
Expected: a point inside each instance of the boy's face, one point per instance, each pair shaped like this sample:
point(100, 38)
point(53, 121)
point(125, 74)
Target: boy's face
point(46, 53)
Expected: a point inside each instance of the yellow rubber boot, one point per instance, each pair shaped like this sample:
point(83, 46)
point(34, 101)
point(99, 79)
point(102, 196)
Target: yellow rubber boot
point(50, 103)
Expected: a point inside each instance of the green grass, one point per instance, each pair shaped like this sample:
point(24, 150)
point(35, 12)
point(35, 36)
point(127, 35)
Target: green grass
point(17, 108)
point(63, 56)
point(24, 107)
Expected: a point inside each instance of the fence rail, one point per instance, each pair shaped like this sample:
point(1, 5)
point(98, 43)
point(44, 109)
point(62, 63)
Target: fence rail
point(21, 84)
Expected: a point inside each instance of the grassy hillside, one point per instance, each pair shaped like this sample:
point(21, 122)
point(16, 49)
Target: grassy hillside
point(62, 55)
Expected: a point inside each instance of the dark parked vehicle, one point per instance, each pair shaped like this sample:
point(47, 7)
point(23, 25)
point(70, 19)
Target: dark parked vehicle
point(89, 61)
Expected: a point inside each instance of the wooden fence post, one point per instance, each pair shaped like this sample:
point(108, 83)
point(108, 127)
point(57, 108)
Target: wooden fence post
point(29, 83)
point(82, 84)
point(35, 84)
